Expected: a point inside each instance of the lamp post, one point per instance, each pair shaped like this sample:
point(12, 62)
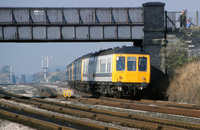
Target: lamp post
point(11, 80)
point(45, 67)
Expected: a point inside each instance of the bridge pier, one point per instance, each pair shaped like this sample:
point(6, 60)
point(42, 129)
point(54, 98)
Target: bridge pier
point(154, 32)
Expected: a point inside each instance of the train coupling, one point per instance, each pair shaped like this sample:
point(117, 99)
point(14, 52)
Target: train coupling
point(143, 85)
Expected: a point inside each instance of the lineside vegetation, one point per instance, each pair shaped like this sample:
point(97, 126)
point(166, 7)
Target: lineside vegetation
point(185, 84)
point(184, 73)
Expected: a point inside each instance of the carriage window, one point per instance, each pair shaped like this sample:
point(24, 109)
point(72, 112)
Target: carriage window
point(109, 67)
point(103, 65)
point(120, 63)
point(131, 63)
point(142, 64)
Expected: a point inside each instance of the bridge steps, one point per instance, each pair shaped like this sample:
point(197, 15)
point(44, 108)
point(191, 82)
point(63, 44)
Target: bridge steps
point(189, 36)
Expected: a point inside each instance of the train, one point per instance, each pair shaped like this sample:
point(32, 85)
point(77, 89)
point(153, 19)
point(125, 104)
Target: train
point(120, 71)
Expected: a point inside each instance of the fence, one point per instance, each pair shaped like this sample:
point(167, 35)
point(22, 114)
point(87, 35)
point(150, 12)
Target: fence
point(174, 21)
point(194, 17)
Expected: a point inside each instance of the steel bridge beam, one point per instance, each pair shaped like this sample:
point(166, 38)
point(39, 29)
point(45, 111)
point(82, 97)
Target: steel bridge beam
point(71, 24)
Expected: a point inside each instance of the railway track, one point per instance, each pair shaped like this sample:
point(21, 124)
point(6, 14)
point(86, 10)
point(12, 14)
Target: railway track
point(141, 106)
point(129, 120)
point(149, 105)
point(36, 123)
point(43, 120)
point(141, 101)
point(145, 105)
point(157, 103)
point(22, 115)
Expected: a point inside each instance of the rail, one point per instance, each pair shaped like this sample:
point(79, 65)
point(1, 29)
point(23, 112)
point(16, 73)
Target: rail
point(123, 119)
point(23, 115)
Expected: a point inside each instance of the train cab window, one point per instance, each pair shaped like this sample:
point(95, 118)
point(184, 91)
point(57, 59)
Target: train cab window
point(131, 64)
point(142, 64)
point(120, 63)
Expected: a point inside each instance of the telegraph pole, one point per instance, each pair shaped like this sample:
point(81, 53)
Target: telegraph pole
point(11, 74)
point(197, 19)
point(45, 67)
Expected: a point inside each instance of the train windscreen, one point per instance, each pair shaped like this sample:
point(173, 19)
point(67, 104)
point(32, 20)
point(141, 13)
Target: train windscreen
point(131, 64)
point(120, 63)
point(142, 64)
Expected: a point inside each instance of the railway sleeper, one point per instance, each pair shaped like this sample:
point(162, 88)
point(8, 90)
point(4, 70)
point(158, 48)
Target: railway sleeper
point(160, 121)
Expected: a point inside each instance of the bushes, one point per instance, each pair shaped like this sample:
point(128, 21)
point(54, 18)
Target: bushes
point(185, 84)
point(176, 55)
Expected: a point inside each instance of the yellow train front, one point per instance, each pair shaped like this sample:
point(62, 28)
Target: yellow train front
point(116, 72)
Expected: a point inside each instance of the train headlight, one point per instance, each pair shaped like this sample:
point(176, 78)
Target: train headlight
point(143, 78)
point(119, 88)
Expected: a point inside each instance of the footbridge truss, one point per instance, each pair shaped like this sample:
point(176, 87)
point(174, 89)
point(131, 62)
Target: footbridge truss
point(71, 24)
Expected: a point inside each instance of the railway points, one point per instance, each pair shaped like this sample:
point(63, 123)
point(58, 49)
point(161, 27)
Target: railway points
point(87, 107)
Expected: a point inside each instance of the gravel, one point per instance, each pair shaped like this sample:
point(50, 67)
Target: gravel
point(136, 112)
point(172, 117)
point(24, 90)
point(65, 115)
point(8, 125)
point(32, 92)
point(18, 89)
point(61, 89)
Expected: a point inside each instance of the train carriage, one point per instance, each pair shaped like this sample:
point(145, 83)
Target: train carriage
point(119, 71)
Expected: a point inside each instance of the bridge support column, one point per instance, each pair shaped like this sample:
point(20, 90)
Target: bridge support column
point(154, 32)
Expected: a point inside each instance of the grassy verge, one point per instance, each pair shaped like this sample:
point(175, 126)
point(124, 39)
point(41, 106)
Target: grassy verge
point(185, 84)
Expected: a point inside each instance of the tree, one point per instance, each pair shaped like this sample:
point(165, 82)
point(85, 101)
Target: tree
point(54, 79)
point(57, 70)
point(176, 55)
point(5, 69)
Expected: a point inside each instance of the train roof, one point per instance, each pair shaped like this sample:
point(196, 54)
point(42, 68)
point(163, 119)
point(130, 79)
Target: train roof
point(116, 50)
point(124, 50)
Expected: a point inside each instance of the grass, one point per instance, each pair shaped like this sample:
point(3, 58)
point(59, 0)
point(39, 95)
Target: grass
point(185, 85)
point(182, 84)
point(191, 31)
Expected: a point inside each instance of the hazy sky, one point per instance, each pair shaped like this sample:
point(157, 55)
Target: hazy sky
point(26, 57)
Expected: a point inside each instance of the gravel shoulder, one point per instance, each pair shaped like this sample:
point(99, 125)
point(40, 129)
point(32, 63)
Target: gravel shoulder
point(27, 90)
point(18, 90)
point(8, 125)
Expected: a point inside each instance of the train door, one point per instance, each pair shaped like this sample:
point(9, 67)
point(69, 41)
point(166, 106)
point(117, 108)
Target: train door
point(70, 72)
point(85, 70)
point(75, 71)
point(79, 65)
point(91, 69)
point(143, 69)
point(119, 65)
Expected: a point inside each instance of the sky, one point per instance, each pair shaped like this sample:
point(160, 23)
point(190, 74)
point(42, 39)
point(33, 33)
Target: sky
point(26, 58)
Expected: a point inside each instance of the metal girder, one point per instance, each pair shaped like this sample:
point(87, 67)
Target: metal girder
point(70, 24)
